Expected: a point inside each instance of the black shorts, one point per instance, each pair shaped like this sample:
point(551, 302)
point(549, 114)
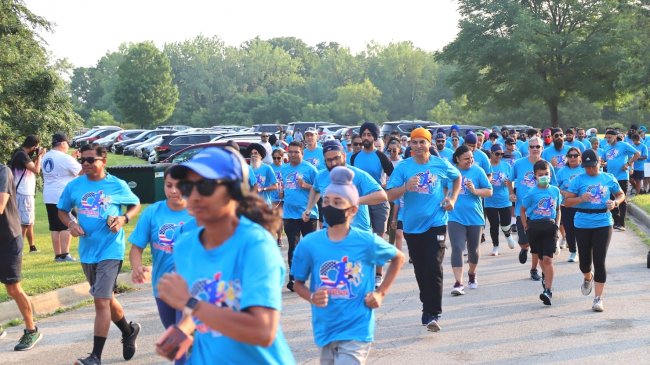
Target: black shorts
point(638, 175)
point(11, 260)
point(400, 225)
point(522, 238)
point(53, 218)
point(543, 237)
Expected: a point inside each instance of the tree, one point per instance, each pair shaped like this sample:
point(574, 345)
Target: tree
point(358, 102)
point(510, 51)
point(145, 94)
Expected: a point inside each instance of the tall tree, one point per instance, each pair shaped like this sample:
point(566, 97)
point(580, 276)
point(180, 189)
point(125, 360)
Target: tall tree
point(145, 93)
point(511, 51)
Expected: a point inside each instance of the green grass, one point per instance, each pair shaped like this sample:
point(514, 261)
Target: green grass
point(643, 202)
point(638, 231)
point(40, 273)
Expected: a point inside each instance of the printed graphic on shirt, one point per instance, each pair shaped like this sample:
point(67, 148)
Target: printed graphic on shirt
point(598, 194)
point(339, 277)
point(611, 154)
point(463, 186)
point(259, 181)
point(219, 293)
point(166, 237)
point(426, 181)
point(94, 204)
point(498, 178)
point(278, 176)
point(48, 164)
point(561, 160)
point(292, 180)
point(545, 206)
point(314, 161)
point(529, 179)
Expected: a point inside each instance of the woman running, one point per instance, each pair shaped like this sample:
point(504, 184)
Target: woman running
point(564, 177)
point(498, 206)
point(276, 200)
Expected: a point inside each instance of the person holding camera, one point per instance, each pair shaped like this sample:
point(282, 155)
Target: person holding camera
point(25, 165)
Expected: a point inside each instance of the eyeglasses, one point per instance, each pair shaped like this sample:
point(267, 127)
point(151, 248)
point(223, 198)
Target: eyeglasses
point(454, 139)
point(558, 135)
point(498, 154)
point(572, 155)
point(357, 144)
point(277, 158)
point(205, 187)
point(90, 160)
point(442, 140)
point(535, 147)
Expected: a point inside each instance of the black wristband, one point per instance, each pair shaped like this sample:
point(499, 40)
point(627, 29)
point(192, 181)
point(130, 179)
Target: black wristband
point(126, 217)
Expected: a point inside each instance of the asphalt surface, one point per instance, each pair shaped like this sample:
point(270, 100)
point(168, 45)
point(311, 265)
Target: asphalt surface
point(501, 322)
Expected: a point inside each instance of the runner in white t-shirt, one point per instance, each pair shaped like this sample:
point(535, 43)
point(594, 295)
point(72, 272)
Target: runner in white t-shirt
point(58, 169)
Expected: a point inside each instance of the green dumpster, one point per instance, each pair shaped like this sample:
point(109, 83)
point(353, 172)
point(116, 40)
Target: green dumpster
point(146, 181)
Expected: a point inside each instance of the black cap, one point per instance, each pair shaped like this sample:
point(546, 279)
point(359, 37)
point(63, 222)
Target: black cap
point(59, 137)
point(589, 158)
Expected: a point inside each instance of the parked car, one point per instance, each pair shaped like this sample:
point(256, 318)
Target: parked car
point(96, 135)
point(463, 128)
point(120, 148)
point(144, 149)
point(175, 142)
point(189, 151)
point(404, 127)
point(326, 132)
point(340, 133)
point(176, 127)
point(92, 131)
point(304, 125)
point(269, 128)
point(118, 136)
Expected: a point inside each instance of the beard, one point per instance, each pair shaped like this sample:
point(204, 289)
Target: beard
point(558, 144)
point(367, 144)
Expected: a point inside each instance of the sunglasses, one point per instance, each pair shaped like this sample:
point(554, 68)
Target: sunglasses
point(498, 154)
point(535, 147)
point(357, 144)
point(263, 136)
point(277, 158)
point(205, 187)
point(558, 135)
point(572, 155)
point(90, 160)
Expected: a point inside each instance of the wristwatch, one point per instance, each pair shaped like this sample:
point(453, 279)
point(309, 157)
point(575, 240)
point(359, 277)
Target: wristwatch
point(190, 306)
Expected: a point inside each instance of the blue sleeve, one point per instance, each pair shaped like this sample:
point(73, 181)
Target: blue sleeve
point(382, 251)
point(553, 178)
point(614, 187)
point(316, 186)
point(483, 181)
point(452, 172)
point(263, 274)
point(65, 201)
point(368, 184)
point(251, 177)
point(140, 235)
point(301, 265)
point(310, 174)
point(630, 150)
point(397, 178)
point(573, 186)
point(270, 176)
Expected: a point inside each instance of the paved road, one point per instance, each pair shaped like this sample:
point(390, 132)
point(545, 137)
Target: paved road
point(501, 322)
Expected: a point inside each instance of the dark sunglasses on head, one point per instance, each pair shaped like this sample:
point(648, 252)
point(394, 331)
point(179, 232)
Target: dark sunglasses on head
point(90, 160)
point(205, 187)
point(442, 140)
point(535, 147)
point(572, 155)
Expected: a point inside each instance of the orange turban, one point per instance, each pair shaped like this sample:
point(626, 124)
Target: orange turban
point(421, 133)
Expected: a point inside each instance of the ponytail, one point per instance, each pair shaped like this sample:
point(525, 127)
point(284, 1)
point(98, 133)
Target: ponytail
point(257, 210)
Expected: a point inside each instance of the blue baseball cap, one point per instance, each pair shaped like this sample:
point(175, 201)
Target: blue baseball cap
point(211, 163)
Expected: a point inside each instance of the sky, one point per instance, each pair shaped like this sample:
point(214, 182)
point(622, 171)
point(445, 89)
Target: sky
point(85, 30)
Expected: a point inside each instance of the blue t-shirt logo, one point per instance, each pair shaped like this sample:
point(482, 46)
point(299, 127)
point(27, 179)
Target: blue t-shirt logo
point(561, 160)
point(218, 292)
point(292, 181)
point(599, 193)
point(314, 161)
point(166, 237)
point(545, 206)
point(498, 178)
point(611, 154)
point(529, 180)
point(259, 180)
point(94, 204)
point(48, 165)
point(339, 276)
point(278, 176)
point(426, 180)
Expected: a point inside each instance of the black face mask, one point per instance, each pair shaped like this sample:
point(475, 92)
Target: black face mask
point(334, 216)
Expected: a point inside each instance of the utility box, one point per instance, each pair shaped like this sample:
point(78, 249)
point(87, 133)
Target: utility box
point(146, 181)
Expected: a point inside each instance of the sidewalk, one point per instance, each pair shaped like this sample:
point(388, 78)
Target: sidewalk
point(501, 322)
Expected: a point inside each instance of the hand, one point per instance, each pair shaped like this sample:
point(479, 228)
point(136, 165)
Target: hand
point(320, 298)
point(393, 224)
point(174, 343)
point(138, 275)
point(117, 224)
point(513, 197)
point(281, 194)
point(373, 299)
point(173, 289)
point(470, 186)
point(75, 229)
point(554, 161)
point(305, 216)
point(42, 151)
point(625, 167)
point(585, 197)
point(611, 204)
point(412, 183)
point(448, 204)
point(76, 154)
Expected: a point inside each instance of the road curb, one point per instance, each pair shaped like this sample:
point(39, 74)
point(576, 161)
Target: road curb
point(50, 302)
point(640, 215)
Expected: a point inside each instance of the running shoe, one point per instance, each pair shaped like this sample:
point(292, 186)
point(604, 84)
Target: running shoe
point(587, 285)
point(433, 325)
point(28, 340)
point(128, 342)
point(69, 258)
point(482, 237)
point(473, 283)
point(33, 249)
point(563, 243)
point(59, 259)
point(92, 359)
point(598, 305)
point(513, 228)
point(511, 242)
point(458, 289)
point(378, 280)
point(573, 257)
point(557, 251)
point(426, 318)
point(495, 251)
point(621, 228)
point(534, 276)
point(546, 296)
point(523, 256)
point(290, 285)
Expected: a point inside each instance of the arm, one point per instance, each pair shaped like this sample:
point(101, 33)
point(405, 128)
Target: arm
point(271, 187)
point(451, 200)
point(630, 162)
point(313, 198)
point(375, 298)
point(524, 219)
point(373, 198)
point(4, 199)
point(138, 271)
point(396, 192)
point(121, 221)
point(73, 226)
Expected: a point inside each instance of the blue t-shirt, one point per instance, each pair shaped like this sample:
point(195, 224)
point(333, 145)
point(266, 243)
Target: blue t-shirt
point(523, 149)
point(370, 163)
point(245, 271)
point(400, 213)
point(512, 157)
point(446, 153)
point(265, 177)
point(542, 203)
point(251, 177)
point(159, 225)
point(577, 144)
point(560, 155)
point(422, 208)
point(643, 150)
point(500, 193)
point(295, 197)
point(275, 194)
point(315, 157)
point(95, 202)
point(481, 159)
point(566, 174)
point(523, 179)
point(468, 209)
point(347, 269)
point(488, 144)
point(617, 156)
point(450, 145)
point(600, 187)
point(365, 185)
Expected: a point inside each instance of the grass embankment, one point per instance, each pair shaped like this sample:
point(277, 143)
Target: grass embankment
point(40, 273)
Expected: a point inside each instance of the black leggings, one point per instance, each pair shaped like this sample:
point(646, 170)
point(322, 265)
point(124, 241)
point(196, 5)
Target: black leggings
point(592, 245)
point(293, 228)
point(619, 213)
point(498, 217)
point(567, 222)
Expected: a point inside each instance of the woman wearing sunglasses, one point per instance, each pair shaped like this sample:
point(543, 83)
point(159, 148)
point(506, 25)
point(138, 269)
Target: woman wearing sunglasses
point(564, 177)
point(276, 195)
point(158, 226)
point(229, 271)
point(498, 206)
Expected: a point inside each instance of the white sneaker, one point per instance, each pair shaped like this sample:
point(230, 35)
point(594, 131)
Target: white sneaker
point(473, 284)
point(557, 249)
point(598, 305)
point(573, 257)
point(378, 280)
point(563, 243)
point(587, 285)
point(511, 242)
point(495, 251)
point(458, 289)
